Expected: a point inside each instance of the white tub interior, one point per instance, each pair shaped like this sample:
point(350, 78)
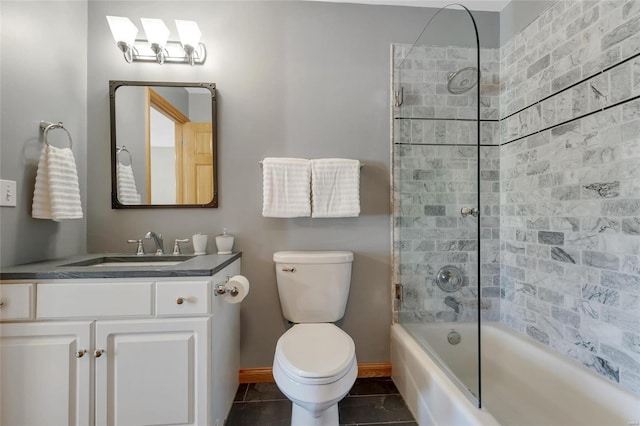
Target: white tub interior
point(523, 383)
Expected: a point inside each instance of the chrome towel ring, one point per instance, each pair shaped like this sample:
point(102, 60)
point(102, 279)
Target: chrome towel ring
point(45, 126)
point(121, 149)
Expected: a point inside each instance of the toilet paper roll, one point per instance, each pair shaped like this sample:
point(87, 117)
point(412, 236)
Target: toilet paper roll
point(241, 283)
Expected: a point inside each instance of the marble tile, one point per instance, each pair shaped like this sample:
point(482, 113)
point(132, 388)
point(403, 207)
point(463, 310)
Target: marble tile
point(620, 33)
point(241, 392)
point(568, 235)
point(369, 409)
point(620, 82)
point(626, 321)
point(410, 423)
point(601, 189)
point(631, 342)
point(628, 362)
point(602, 295)
point(621, 208)
point(630, 8)
point(263, 392)
point(373, 386)
point(552, 238)
point(562, 256)
point(604, 368)
point(537, 334)
point(267, 413)
point(618, 281)
point(601, 260)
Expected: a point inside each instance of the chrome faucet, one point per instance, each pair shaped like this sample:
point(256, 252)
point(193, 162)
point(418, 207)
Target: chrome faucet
point(157, 239)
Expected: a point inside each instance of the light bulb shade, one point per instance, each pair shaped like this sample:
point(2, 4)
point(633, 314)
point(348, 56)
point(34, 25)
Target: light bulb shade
point(189, 33)
point(122, 29)
point(156, 31)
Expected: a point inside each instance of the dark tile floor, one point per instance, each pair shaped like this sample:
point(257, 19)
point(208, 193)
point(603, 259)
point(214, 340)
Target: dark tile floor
point(374, 401)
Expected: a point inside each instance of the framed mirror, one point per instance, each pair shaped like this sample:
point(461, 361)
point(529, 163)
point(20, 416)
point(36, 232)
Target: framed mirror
point(163, 144)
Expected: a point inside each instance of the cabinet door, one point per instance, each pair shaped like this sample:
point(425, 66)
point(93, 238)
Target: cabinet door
point(45, 374)
point(152, 372)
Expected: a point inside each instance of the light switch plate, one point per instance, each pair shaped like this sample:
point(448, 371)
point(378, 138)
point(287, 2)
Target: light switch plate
point(7, 193)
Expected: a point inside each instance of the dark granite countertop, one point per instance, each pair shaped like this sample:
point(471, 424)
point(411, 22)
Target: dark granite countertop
point(78, 267)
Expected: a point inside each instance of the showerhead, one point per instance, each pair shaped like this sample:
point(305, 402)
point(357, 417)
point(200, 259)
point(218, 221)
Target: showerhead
point(462, 81)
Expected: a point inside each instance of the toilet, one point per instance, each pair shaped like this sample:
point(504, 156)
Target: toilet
point(315, 362)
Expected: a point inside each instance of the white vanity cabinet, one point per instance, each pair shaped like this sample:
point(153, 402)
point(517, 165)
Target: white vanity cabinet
point(121, 352)
point(45, 375)
point(152, 372)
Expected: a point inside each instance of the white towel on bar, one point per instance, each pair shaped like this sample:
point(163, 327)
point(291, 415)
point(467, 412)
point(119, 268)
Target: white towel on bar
point(127, 190)
point(57, 192)
point(286, 186)
point(335, 187)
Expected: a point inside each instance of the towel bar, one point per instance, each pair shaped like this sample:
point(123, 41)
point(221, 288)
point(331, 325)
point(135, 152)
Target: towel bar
point(361, 164)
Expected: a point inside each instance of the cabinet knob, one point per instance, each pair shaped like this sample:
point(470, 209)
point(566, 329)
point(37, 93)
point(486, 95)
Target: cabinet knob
point(180, 300)
point(80, 353)
point(98, 353)
point(2, 303)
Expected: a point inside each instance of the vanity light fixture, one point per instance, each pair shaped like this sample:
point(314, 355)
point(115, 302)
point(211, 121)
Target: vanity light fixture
point(157, 47)
point(190, 34)
point(124, 33)
point(157, 35)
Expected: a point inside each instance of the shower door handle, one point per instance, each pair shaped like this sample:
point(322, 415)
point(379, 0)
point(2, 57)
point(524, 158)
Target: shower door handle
point(466, 211)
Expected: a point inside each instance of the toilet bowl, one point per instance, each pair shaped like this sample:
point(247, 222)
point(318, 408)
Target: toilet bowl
point(315, 366)
point(315, 362)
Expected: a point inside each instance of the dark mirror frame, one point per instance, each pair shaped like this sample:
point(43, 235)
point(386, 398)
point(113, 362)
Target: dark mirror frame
point(115, 203)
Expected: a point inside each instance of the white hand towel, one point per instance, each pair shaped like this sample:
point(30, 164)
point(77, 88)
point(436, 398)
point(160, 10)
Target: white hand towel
point(127, 190)
point(335, 187)
point(57, 192)
point(286, 185)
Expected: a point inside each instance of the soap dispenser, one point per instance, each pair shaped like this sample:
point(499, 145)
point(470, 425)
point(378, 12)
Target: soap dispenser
point(224, 242)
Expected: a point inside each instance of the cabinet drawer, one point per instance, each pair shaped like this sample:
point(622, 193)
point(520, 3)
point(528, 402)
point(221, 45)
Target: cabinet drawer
point(65, 300)
point(182, 298)
point(16, 301)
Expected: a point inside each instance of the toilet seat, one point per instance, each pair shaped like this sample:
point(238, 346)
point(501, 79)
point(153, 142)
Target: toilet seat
point(315, 353)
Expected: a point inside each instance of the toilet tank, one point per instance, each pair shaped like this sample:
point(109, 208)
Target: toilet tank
point(313, 285)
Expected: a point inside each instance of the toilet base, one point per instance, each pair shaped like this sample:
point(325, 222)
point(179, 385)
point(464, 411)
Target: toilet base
point(302, 417)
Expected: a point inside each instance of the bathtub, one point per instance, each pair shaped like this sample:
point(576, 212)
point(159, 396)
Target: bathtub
point(523, 382)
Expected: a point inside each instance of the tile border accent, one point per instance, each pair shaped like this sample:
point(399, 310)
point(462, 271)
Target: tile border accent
point(609, 68)
point(482, 120)
point(634, 98)
point(441, 144)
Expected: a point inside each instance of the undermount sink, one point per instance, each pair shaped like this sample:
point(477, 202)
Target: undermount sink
point(129, 261)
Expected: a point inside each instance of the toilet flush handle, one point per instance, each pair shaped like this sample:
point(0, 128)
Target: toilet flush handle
point(285, 269)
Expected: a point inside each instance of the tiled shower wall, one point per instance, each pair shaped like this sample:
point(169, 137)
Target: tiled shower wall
point(435, 169)
point(570, 186)
point(568, 213)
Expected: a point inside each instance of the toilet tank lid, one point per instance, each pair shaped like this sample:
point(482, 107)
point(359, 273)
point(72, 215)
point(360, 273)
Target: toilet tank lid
point(311, 257)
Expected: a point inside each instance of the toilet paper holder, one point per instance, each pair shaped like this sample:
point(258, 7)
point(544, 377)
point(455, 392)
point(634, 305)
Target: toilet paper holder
point(221, 289)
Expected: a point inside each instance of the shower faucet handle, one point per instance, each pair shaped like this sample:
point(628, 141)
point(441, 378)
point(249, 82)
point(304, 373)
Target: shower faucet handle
point(466, 211)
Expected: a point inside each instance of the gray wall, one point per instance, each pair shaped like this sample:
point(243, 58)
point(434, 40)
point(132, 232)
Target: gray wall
point(43, 77)
point(294, 79)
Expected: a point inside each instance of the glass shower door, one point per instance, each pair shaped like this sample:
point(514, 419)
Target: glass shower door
point(436, 193)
